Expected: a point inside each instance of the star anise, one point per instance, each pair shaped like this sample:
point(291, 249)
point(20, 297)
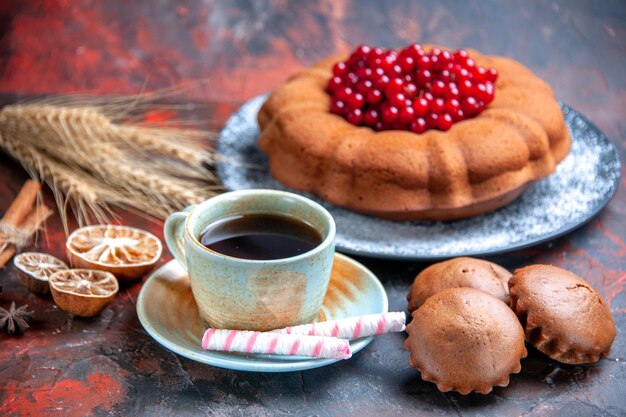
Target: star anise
point(15, 319)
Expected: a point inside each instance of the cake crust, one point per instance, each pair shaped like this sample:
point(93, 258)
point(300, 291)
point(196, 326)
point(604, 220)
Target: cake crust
point(479, 165)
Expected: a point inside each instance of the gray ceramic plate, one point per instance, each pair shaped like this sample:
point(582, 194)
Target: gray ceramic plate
point(582, 185)
point(168, 312)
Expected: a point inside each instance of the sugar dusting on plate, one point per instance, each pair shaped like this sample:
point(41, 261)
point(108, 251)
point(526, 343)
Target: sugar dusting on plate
point(584, 183)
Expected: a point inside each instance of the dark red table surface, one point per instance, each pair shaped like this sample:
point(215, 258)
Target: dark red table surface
point(109, 365)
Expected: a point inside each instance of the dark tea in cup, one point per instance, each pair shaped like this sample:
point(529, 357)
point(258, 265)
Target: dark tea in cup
point(260, 236)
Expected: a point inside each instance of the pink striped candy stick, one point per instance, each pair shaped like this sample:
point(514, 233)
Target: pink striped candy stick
point(353, 327)
point(275, 343)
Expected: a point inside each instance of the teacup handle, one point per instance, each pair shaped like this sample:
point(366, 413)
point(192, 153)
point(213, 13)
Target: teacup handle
point(174, 232)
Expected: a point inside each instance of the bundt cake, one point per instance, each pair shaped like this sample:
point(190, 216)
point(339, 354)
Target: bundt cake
point(419, 134)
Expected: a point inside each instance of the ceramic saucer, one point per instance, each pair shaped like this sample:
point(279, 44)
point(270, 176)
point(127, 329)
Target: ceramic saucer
point(168, 312)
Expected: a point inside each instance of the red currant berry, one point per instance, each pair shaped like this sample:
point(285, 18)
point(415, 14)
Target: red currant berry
point(435, 63)
point(414, 51)
point(407, 115)
point(452, 92)
point(371, 117)
point(461, 55)
point(406, 63)
point(445, 76)
point(452, 106)
point(423, 62)
point(480, 75)
point(445, 122)
point(334, 84)
point(466, 87)
point(420, 106)
point(437, 105)
point(340, 69)
point(350, 79)
point(382, 82)
point(480, 92)
point(432, 120)
point(424, 77)
point(344, 94)
point(438, 88)
point(469, 105)
point(375, 63)
point(397, 100)
point(355, 116)
point(337, 107)
point(445, 58)
point(356, 101)
point(410, 89)
point(453, 66)
point(387, 62)
point(377, 73)
point(489, 93)
point(418, 126)
point(396, 71)
point(362, 51)
point(458, 115)
point(394, 87)
point(461, 75)
point(390, 114)
point(364, 86)
point(364, 73)
point(374, 97)
point(375, 52)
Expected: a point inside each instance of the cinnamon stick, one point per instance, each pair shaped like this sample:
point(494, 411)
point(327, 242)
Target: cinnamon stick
point(35, 218)
point(30, 222)
point(23, 204)
point(6, 255)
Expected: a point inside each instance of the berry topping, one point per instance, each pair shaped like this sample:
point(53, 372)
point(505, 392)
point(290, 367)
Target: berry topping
point(412, 89)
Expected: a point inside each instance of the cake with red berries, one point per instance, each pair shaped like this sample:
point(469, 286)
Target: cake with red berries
point(421, 133)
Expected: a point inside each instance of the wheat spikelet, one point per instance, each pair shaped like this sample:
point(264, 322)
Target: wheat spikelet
point(65, 184)
point(159, 141)
point(54, 128)
point(93, 162)
point(91, 197)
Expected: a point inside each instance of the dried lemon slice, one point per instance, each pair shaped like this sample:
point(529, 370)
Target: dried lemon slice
point(36, 268)
point(83, 292)
point(127, 252)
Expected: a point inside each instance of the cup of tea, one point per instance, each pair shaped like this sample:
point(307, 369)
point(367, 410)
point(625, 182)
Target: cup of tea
point(257, 259)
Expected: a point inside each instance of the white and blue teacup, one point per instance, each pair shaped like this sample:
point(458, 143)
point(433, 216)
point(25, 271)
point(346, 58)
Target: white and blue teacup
point(245, 294)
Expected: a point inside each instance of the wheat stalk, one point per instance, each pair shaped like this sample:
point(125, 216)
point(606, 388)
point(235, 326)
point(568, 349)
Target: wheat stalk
point(93, 162)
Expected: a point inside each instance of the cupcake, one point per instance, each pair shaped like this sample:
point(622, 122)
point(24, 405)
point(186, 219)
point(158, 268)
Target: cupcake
point(562, 315)
point(465, 340)
point(458, 273)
